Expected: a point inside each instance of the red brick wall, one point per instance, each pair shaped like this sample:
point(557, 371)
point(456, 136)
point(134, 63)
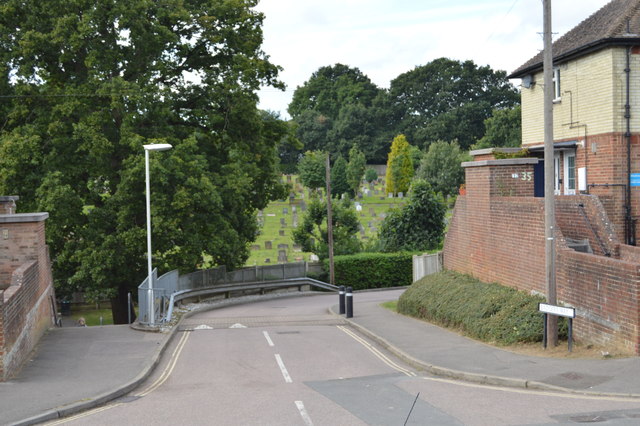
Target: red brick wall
point(501, 239)
point(25, 309)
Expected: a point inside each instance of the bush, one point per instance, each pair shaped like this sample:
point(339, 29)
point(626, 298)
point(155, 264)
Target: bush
point(373, 270)
point(370, 175)
point(489, 312)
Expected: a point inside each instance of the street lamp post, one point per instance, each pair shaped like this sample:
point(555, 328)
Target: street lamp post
point(147, 148)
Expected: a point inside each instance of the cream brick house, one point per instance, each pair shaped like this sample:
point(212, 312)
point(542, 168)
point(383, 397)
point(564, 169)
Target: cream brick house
point(596, 112)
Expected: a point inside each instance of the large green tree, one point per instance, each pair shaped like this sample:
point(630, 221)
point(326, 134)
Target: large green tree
point(448, 99)
point(418, 226)
point(313, 170)
point(503, 129)
point(87, 83)
point(355, 169)
point(441, 166)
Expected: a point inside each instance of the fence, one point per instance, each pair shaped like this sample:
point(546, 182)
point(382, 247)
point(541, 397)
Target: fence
point(172, 282)
point(426, 264)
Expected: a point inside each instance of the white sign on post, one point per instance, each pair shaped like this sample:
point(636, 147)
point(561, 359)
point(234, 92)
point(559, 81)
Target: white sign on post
point(557, 310)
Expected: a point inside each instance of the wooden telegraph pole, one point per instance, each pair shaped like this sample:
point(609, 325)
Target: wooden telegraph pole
point(549, 177)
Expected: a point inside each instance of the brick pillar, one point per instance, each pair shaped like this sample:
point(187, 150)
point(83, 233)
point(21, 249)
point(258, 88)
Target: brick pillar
point(8, 204)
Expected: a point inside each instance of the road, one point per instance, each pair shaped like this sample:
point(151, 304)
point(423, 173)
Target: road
point(288, 362)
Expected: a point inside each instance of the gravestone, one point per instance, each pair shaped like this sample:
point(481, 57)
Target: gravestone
point(281, 232)
point(376, 192)
point(370, 224)
point(390, 195)
point(295, 221)
point(400, 194)
point(360, 195)
point(373, 214)
point(361, 214)
point(283, 223)
point(297, 247)
point(382, 198)
point(383, 215)
point(268, 245)
point(371, 211)
point(282, 256)
point(293, 209)
point(255, 247)
point(260, 213)
point(358, 207)
point(267, 260)
point(292, 198)
point(283, 246)
point(285, 210)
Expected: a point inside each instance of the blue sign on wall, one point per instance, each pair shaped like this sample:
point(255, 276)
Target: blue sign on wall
point(635, 179)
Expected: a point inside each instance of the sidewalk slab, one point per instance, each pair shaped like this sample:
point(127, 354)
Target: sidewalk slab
point(75, 368)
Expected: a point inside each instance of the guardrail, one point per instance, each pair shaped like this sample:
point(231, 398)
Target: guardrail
point(259, 285)
point(173, 287)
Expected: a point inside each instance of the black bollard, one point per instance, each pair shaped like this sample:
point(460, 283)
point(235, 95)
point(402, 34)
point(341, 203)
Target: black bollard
point(349, 297)
point(341, 299)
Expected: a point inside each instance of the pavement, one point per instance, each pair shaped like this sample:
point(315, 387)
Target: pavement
point(78, 368)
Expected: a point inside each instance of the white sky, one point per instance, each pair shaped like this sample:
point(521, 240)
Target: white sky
point(385, 38)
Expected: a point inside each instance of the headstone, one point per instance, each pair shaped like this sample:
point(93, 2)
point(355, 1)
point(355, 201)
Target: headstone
point(283, 246)
point(383, 215)
point(285, 210)
point(313, 258)
point(297, 247)
point(267, 260)
point(260, 213)
point(372, 186)
point(376, 192)
point(382, 198)
point(268, 245)
point(255, 247)
point(293, 209)
point(358, 207)
point(283, 222)
point(371, 211)
point(282, 256)
point(400, 194)
point(361, 214)
point(360, 195)
point(292, 198)
point(303, 206)
point(281, 232)
point(362, 233)
point(373, 214)
point(295, 221)
point(370, 224)
point(390, 195)
point(367, 193)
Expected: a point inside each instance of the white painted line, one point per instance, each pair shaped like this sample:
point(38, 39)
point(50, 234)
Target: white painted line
point(285, 373)
point(238, 325)
point(266, 336)
point(304, 414)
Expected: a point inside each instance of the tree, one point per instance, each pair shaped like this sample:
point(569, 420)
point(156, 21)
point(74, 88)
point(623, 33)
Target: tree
point(339, 181)
point(355, 169)
point(399, 166)
point(418, 226)
point(441, 167)
point(312, 169)
point(91, 82)
point(370, 175)
point(448, 99)
point(312, 234)
point(503, 128)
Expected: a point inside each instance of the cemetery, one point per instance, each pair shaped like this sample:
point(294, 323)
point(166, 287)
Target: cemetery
point(278, 220)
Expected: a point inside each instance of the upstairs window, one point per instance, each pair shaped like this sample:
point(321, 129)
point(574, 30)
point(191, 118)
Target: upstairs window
point(557, 97)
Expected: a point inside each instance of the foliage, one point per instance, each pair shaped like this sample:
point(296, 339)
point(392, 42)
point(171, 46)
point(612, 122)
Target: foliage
point(373, 270)
point(312, 169)
point(447, 99)
point(503, 129)
point(399, 166)
point(441, 167)
point(290, 148)
point(523, 153)
point(355, 169)
point(489, 312)
point(370, 174)
point(339, 181)
point(312, 234)
point(90, 83)
point(418, 226)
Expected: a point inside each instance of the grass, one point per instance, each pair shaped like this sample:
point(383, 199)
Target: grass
point(271, 226)
point(92, 315)
point(391, 305)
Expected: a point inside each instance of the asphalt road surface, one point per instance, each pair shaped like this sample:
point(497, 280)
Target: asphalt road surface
point(288, 362)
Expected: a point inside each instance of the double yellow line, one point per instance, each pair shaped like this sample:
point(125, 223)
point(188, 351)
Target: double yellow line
point(377, 353)
point(155, 385)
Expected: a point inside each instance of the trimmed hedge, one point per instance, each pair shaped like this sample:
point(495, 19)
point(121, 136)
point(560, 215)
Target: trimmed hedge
point(489, 312)
point(373, 270)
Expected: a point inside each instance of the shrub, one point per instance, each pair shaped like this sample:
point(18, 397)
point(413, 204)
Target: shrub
point(489, 312)
point(373, 270)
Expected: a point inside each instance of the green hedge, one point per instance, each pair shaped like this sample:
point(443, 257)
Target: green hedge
point(489, 312)
point(373, 270)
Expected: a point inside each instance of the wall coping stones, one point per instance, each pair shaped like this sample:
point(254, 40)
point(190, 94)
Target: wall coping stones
point(487, 151)
point(23, 217)
point(505, 162)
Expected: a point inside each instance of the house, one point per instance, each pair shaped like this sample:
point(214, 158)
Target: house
point(497, 231)
point(596, 124)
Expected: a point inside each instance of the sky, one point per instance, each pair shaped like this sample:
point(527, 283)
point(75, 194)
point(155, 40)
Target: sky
point(385, 38)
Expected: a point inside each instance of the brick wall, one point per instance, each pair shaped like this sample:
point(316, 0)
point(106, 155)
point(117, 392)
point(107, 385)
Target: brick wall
point(26, 306)
point(501, 239)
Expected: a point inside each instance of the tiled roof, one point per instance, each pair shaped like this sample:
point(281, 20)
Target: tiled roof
point(605, 27)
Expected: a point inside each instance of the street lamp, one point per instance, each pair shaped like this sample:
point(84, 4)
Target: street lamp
point(147, 148)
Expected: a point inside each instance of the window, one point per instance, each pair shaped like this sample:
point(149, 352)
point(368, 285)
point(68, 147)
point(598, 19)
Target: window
point(557, 94)
point(570, 173)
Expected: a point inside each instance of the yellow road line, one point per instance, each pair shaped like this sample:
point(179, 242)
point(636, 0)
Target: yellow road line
point(376, 352)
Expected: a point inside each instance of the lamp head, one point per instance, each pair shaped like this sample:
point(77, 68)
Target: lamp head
point(158, 147)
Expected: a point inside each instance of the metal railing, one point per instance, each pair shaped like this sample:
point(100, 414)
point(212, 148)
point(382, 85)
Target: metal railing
point(426, 264)
point(173, 287)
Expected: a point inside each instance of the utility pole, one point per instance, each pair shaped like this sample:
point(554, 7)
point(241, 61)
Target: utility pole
point(549, 177)
point(332, 277)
